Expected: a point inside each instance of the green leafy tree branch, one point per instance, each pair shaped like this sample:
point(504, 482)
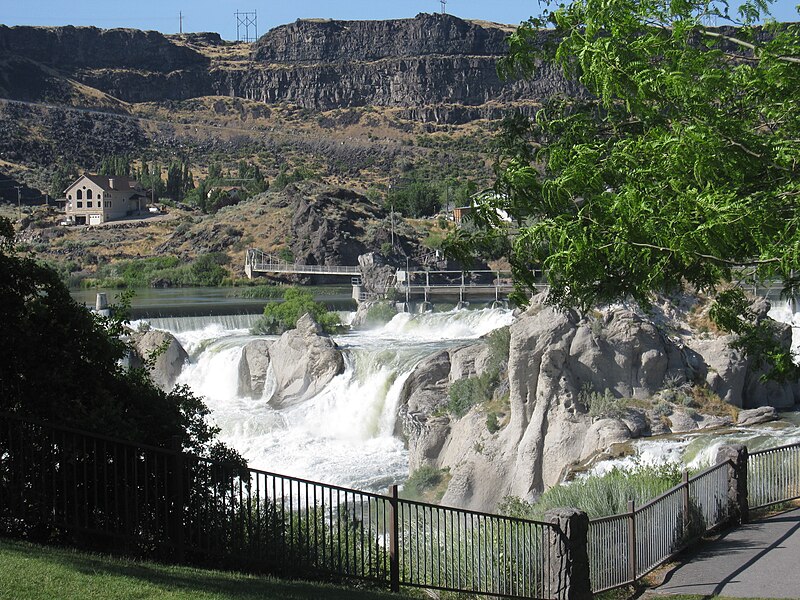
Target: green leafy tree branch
point(678, 164)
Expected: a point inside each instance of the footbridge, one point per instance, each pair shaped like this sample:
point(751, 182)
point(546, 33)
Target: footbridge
point(257, 261)
point(418, 285)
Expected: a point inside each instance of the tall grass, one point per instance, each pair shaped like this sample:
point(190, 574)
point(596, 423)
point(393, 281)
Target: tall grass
point(601, 495)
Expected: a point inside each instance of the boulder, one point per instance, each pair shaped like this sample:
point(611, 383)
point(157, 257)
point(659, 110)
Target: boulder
point(754, 416)
point(304, 361)
point(681, 422)
point(602, 435)
point(254, 368)
point(163, 355)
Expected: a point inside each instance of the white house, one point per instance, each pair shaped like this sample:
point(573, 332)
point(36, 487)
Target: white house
point(95, 199)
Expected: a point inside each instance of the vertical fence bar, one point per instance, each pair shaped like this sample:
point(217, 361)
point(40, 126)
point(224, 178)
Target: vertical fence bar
point(394, 546)
point(177, 498)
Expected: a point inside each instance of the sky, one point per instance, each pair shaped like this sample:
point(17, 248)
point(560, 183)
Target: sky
point(218, 15)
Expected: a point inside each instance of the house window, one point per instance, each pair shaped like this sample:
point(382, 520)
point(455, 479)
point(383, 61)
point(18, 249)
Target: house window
point(79, 204)
point(69, 197)
point(108, 203)
point(88, 205)
point(79, 195)
point(88, 194)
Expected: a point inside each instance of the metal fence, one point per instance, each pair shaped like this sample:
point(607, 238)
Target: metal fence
point(624, 547)
point(95, 492)
point(773, 476)
point(450, 549)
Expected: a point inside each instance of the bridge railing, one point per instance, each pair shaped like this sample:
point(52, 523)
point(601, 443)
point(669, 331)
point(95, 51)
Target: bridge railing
point(256, 260)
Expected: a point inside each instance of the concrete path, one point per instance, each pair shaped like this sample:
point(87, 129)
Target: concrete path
point(758, 560)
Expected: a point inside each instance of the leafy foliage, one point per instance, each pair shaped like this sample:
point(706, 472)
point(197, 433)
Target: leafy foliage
point(206, 270)
point(680, 165)
point(379, 313)
point(466, 393)
point(282, 316)
point(59, 362)
point(426, 483)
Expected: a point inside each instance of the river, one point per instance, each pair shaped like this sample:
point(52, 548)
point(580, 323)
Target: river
point(346, 435)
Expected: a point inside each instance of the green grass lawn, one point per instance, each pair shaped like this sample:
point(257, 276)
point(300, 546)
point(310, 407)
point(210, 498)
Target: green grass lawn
point(31, 572)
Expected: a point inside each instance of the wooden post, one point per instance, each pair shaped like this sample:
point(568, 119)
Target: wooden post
point(177, 498)
point(632, 567)
point(394, 542)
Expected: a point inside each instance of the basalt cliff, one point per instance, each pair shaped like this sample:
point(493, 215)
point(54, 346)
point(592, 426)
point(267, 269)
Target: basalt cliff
point(437, 67)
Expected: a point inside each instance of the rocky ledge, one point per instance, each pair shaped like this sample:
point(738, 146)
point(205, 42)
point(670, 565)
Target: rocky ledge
point(577, 386)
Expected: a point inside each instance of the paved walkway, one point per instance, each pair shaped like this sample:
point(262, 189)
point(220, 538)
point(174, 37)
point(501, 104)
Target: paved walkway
point(758, 560)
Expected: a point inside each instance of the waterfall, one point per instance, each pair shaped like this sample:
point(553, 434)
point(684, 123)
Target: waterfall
point(345, 434)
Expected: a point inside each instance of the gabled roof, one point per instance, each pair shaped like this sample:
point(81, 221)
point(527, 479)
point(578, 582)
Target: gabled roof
point(121, 182)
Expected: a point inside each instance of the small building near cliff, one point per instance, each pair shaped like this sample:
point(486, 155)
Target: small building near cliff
point(95, 199)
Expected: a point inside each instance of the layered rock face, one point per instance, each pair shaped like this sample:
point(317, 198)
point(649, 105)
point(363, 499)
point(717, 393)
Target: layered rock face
point(93, 48)
point(438, 67)
point(327, 40)
point(559, 364)
point(429, 60)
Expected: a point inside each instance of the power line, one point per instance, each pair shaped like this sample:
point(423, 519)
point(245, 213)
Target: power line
point(244, 21)
point(444, 6)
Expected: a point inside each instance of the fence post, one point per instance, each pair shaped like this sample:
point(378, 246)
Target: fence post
point(394, 542)
point(569, 554)
point(177, 497)
point(685, 504)
point(632, 567)
point(736, 455)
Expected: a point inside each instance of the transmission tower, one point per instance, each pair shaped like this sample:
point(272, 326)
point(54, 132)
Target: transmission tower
point(444, 6)
point(244, 22)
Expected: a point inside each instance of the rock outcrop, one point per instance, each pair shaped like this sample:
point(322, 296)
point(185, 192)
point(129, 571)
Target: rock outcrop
point(254, 368)
point(439, 67)
point(304, 360)
point(562, 367)
point(162, 354)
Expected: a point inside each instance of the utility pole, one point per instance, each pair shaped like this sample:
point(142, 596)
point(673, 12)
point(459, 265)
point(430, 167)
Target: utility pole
point(392, 215)
point(180, 21)
point(444, 6)
point(19, 200)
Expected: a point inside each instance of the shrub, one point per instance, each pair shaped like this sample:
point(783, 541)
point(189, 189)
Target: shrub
point(499, 342)
point(466, 393)
point(283, 316)
point(662, 409)
point(602, 406)
point(380, 313)
point(492, 423)
point(427, 482)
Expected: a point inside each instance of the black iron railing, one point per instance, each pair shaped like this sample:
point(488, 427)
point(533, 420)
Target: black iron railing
point(95, 492)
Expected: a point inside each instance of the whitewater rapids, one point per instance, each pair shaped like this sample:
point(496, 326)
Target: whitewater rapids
point(346, 434)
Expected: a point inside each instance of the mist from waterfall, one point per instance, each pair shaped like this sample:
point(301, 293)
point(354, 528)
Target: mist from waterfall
point(346, 434)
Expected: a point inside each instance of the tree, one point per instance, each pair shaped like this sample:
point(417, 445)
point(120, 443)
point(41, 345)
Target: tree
point(678, 164)
point(61, 363)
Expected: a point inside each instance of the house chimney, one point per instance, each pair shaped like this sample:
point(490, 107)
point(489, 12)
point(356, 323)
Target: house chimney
point(111, 183)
